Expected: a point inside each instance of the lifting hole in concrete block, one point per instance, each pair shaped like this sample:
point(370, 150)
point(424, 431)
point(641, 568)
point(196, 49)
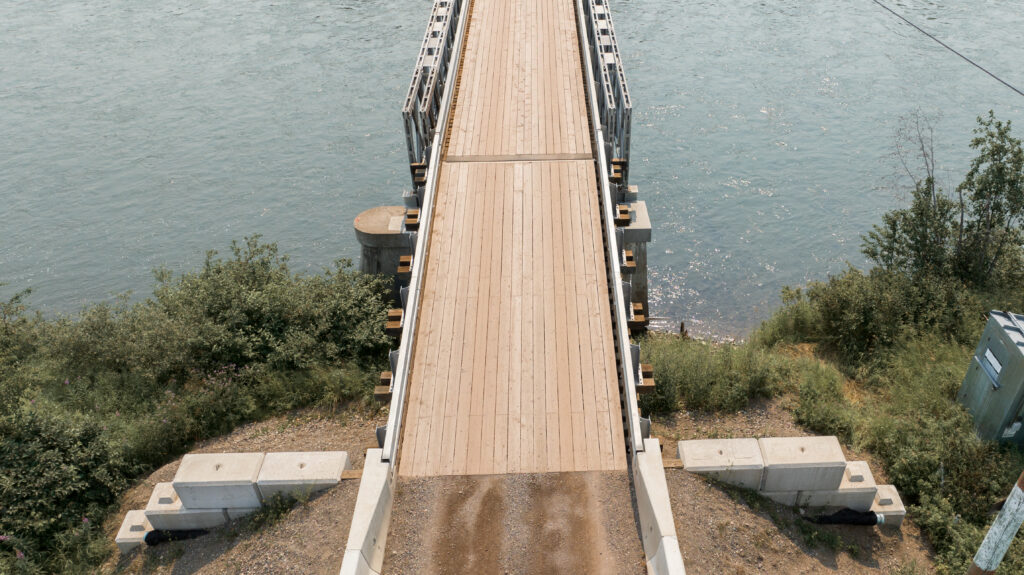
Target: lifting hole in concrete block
point(133, 531)
point(218, 480)
point(859, 472)
point(889, 505)
point(300, 473)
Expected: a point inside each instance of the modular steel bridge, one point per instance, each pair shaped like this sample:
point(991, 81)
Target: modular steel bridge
point(522, 285)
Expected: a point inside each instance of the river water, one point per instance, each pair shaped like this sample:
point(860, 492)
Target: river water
point(141, 134)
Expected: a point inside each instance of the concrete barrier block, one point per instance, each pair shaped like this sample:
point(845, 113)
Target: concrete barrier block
point(166, 512)
point(788, 498)
point(668, 560)
point(856, 499)
point(300, 473)
point(133, 531)
point(858, 495)
point(734, 461)
point(654, 508)
point(802, 463)
point(353, 563)
point(218, 480)
point(364, 551)
point(889, 505)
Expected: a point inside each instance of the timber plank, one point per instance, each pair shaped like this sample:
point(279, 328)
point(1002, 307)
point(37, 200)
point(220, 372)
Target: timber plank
point(513, 368)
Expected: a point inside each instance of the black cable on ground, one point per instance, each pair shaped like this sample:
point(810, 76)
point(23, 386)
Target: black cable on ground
point(946, 46)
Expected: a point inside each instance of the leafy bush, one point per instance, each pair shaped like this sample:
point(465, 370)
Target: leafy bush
point(708, 377)
point(798, 320)
point(240, 339)
point(57, 471)
point(862, 312)
point(822, 406)
point(976, 236)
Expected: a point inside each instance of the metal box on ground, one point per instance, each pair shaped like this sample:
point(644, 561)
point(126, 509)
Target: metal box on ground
point(801, 463)
point(734, 461)
point(993, 388)
point(218, 480)
point(166, 512)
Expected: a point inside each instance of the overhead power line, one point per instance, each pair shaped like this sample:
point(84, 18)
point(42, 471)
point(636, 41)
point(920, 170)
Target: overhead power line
point(951, 49)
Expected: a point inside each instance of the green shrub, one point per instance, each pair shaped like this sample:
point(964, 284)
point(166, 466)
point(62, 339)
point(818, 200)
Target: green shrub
point(246, 310)
point(822, 407)
point(863, 312)
point(797, 321)
point(909, 419)
point(16, 335)
point(708, 377)
point(241, 339)
point(58, 471)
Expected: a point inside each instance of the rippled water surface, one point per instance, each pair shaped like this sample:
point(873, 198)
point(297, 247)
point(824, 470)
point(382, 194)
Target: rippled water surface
point(138, 134)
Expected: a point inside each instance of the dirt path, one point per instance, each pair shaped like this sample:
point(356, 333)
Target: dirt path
point(529, 523)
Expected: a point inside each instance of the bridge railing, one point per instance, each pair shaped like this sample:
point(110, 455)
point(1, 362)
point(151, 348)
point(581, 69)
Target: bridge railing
point(614, 106)
point(609, 101)
point(423, 101)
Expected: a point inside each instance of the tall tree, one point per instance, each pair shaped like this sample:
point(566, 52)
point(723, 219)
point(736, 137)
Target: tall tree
point(977, 236)
point(992, 194)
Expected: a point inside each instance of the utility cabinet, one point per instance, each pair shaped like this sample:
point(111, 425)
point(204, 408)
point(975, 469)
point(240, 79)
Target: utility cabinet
point(993, 389)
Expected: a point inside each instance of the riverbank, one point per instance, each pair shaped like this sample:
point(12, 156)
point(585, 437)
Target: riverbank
point(91, 402)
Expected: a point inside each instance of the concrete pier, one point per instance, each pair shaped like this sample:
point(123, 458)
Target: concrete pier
point(383, 239)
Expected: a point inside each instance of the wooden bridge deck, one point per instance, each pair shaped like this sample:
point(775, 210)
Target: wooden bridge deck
point(513, 368)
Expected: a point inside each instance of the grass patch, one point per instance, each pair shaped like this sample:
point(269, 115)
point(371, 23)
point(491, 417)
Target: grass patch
point(709, 377)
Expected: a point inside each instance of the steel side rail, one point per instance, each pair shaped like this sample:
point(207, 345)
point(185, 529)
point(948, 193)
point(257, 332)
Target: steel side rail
point(400, 380)
point(626, 367)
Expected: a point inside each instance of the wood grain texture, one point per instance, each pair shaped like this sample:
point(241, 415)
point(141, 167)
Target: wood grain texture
point(514, 366)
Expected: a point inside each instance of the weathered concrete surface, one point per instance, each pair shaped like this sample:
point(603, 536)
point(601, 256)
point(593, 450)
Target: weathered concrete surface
point(133, 531)
point(383, 241)
point(165, 511)
point(857, 490)
point(888, 504)
point(787, 498)
point(218, 480)
point(518, 524)
point(734, 461)
point(654, 511)
point(235, 513)
point(364, 551)
point(300, 473)
point(802, 463)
